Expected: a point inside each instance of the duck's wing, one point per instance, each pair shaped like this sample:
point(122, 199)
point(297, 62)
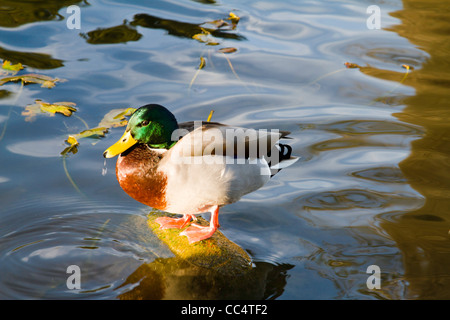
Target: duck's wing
point(213, 138)
point(189, 126)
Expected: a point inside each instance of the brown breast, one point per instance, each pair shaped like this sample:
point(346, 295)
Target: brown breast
point(136, 171)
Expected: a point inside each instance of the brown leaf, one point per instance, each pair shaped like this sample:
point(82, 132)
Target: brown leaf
point(218, 23)
point(227, 50)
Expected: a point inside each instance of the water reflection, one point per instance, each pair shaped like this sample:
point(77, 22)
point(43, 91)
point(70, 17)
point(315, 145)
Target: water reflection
point(106, 243)
point(176, 279)
point(127, 31)
point(16, 13)
point(181, 29)
point(118, 34)
point(382, 174)
point(422, 234)
point(31, 59)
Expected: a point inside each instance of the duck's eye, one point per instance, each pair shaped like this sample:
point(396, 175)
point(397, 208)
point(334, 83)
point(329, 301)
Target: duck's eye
point(144, 123)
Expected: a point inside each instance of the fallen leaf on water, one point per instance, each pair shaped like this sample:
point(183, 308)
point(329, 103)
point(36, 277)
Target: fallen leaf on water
point(227, 50)
point(116, 118)
point(200, 36)
point(221, 23)
point(205, 37)
point(73, 148)
point(218, 23)
point(72, 141)
point(234, 19)
point(43, 80)
point(65, 108)
point(11, 68)
point(201, 66)
point(351, 65)
point(407, 67)
point(98, 132)
point(202, 63)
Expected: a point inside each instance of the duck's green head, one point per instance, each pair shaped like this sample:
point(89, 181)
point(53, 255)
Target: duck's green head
point(151, 124)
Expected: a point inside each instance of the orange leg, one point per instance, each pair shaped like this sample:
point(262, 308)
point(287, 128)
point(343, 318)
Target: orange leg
point(196, 233)
point(170, 223)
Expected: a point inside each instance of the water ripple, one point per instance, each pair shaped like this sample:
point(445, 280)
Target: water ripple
point(107, 243)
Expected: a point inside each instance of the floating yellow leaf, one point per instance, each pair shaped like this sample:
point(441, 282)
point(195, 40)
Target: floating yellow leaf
point(73, 148)
point(70, 149)
point(116, 118)
point(218, 23)
point(72, 141)
point(96, 133)
point(204, 32)
point(234, 19)
point(65, 108)
point(407, 67)
point(351, 65)
point(90, 133)
point(221, 23)
point(11, 68)
point(205, 37)
point(43, 80)
point(202, 63)
point(199, 37)
point(201, 66)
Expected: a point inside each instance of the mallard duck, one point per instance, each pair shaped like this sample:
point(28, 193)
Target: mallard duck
point(193, 167)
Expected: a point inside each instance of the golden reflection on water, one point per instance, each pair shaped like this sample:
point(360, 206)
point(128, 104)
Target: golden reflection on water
point(174, 279)
point(13, 15)
point(422, 234)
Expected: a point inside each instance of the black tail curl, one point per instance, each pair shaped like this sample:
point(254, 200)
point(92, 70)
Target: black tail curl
point(284, 153)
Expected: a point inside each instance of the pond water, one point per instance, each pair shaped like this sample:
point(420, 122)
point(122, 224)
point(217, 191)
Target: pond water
point(371, 187)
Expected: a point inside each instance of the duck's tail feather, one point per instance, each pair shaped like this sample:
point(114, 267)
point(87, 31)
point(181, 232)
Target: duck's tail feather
point(284, 159)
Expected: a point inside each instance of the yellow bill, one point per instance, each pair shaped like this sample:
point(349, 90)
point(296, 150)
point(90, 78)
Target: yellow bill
point(124, 143)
